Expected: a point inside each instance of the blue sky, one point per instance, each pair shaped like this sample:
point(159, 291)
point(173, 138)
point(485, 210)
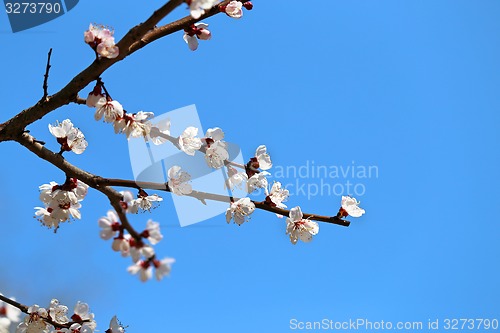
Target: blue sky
point(410, 87)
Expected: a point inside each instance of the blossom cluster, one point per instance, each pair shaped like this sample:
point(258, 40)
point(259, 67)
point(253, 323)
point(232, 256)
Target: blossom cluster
point(254, 176)
point(69, 137)
point(56, 319)
point(133, 125)
point(199, 31)
point(142, 254)
point(61, 202)
point(101, 40)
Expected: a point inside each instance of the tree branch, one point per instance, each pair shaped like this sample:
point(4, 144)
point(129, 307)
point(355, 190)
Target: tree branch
point(214, 197)
point(178, 25)
point(15, 304)
point(49, 320)
point(46, 77)
point(16, 125)
point(58, 161)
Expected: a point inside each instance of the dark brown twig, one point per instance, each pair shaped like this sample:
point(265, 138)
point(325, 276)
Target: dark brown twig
point(46, 77)
point(15, 304)
point(202, 196)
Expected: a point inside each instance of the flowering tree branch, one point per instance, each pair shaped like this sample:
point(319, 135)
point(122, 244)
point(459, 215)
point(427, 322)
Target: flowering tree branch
point(55, 318)
point(202, 196)
point(178, 25)
point(15, 304)
point(62, 201)
point(16, 125)
point(70, 170)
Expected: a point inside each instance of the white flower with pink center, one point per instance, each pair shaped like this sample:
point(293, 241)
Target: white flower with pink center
point(258, 180)
point(350, 206)
point(110, 110)
point(299, 228)
point(109, 225)
point(69, 137)
point(101, 39)
point(240, 210)
point(233, 9)
point(195, 32)
point(143, 269)
point(188, 142)
point(134, 125)
point(152, 232)
point(115, 326)
point(216, 152)
point(163, 267)
point(178, 181)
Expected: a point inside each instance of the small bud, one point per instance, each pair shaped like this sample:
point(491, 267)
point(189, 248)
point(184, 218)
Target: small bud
point(248, 5)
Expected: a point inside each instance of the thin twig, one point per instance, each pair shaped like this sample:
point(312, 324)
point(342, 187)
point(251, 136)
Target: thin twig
point(213, 197)
point(46, 77)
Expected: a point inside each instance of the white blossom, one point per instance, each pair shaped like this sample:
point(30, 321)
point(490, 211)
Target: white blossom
point(240, 210)
point(128, 203)
point(101, 39)
point(82, 313)
point(58, 312)
point(195, 32)
point(278, 194)
point(258, 180)
point(152, 232)
point(351, 206)
point(134, 125)
point(115, 326)
point(108, 49)
point(54, 214)
point(163, 267)
point(233, 9)
point(263, 158)
point(136, 252)
point(216, 152)
point(188, 142)
point(109, 225)
point(146, 202)
point(142, 268)
point(72, 191)
point(178, 181)
point(34, 321)
point(299, 228)
point(111, 110)
point(69, 137)
point(94, 96)
point(122, 244)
